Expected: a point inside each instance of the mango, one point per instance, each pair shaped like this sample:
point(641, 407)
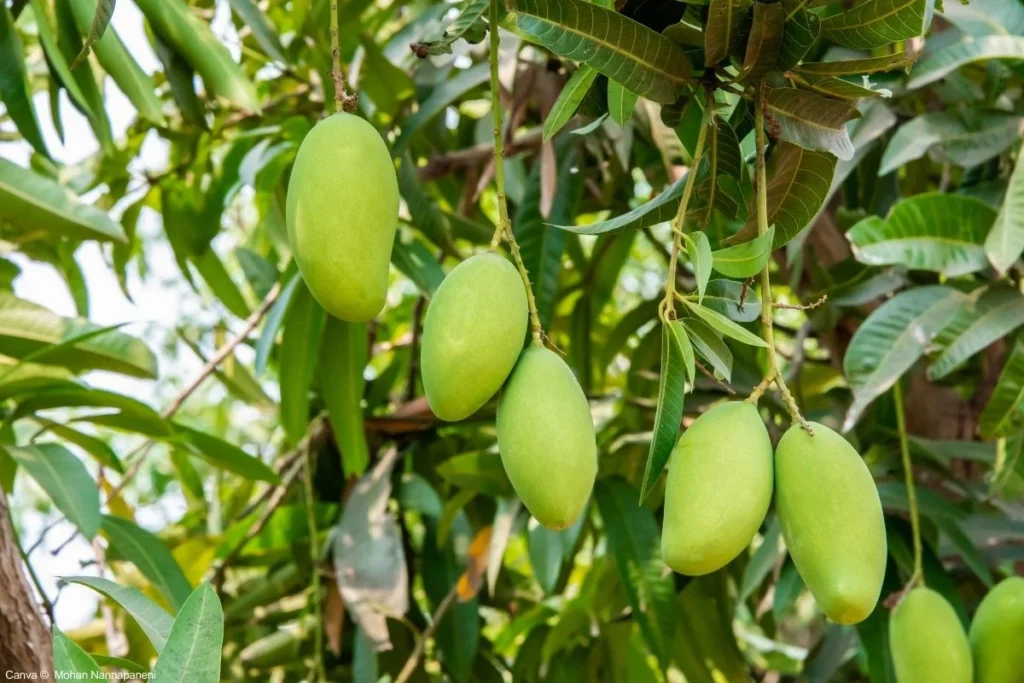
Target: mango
point(342, 214)
point(997, 634)
point(472, 335)
point(831, 518)
point(718, 490)
point(928, 642)
point(546, 438)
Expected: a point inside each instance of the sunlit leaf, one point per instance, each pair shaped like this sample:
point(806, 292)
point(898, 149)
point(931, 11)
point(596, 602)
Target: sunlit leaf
point(70, 661)
point(850, 67)
point(418, 264)
point(951, 139)
point(193, 650)
point(727, 327)
point(995, 315)
point(733, 300)
point(443, 95)
point(65, 479)
point(98, 26)
point(224, 455)
point(300, 346)
point(621, 102)
point(569, 100)
point(699, 250)
point(669, 412)
point(15, 90)
point(1004, 409)
point(709, 344)
point(939, 63)
point(343, 357)
point(468, 24)
point(1005, 240)
point(812, 121)
point(660, 209)
point(876, 23)
point(262, 30)
point(153, 619)
point(151, 556)
point(746, 259)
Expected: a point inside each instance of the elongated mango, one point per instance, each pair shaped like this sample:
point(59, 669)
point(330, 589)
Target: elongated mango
point(997, 634)
point(546, 438)
point(831, 518)
point(342, 214)
point(928, 642)
point(719, 489)
point(472, 335)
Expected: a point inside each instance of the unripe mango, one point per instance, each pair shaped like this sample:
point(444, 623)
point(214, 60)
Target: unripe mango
point(546, 438)
point(472, 335)
point(342, 214)
point(719, 489)
point(997, 634)
point(831, 518)
point(928, 642)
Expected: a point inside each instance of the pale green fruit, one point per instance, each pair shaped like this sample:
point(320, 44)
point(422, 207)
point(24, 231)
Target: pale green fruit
point(831, 519)
point(719, 489)
point(997, 634)
point(928, 642)
point(342, 215)
point(472, 335)
point(546, 438)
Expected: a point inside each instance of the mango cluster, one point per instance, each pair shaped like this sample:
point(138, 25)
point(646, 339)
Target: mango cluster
point(720, 485)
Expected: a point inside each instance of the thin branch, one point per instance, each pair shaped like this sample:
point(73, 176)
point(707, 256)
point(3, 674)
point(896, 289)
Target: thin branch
point(314, 556)
point(342, 100)
point(410, 664)
point(908, 472)
point(803, 307)
point(441, 164)
point(703, 368)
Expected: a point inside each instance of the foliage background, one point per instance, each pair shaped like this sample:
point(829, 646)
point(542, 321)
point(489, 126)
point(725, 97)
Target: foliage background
point(190, 230)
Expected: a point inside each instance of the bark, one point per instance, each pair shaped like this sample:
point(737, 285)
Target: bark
point(25, 645)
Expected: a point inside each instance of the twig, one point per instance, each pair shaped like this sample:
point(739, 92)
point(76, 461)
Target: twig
point(703, 368)
point(803, 307)
point(442, 164)
point(417, 651)
point(414, 358)
point(917, 578)
point(314, 556)
point(342, 100)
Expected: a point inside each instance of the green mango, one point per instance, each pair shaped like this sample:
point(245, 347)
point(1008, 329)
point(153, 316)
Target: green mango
point(997, 634)
point(718, 490)
point(472, 335)
point(546, 438)
point(342, 214)
point(831, 518)
point(927, 640)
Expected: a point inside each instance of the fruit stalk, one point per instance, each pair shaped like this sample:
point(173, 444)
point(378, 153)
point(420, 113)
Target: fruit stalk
point(766, 287)
point(917, 578)
point(667, 308)
point(504, 224)
point(342, 100)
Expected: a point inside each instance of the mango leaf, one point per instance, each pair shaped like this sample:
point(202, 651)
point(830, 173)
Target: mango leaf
point(120, 663)
point(764, 44)
point(443, 95)
point(300, 345)
point(746, 259)
point(1004, 409)
point(620, 48)
point(467, 24)
point(70, 661)
point(812, 121)
point(733, 300)
point(763, 560)
point(988, 136)
point(891, 340)
point(1005, 240)
point(856, 67)
point(343, 357)
point(262, 30)
point(724, 325)
point(32, 202)
point(98, 26)
point(876, 23)
point(100, 450)
point(996, 314)
point(709, 344)
point(15, 90)
point(426, 215)
point(831, 86)
point(934, 231)
point(148, 420)
point(151, 556)
point(699, 251)
point(621, 102)
point(193, 650)
point(799, 182)
point(724, 31)
point(417, 263)
point(569, 100)
point(669, 413)
point(938, 64)
point(152, 618)
point(722, 160)
point(801, 32)
point(273, 323)
point(225, 455)
point(67, 482)
point(660, 209)
point(987, 17)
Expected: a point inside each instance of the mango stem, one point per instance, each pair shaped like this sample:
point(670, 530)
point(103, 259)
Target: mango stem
point(342, 100)
point(917, 578)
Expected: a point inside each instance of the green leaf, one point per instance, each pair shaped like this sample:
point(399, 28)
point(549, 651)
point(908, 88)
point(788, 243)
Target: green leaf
point(798, 186)
point(986, 17)
point(660, 209)
point(801, 32)
point(151, 556)
point(120, 663)
point(343, 357)
point(764, 45)
point(417, 263)
point(15, 89)
point(934, 231)
point(722, 160)
point(85, 397)
point(620, 48)
point(193, 650)
point(100, 450)
point(856, 67)
point(699, 250)
point(216, 276)
point(876, 23)
point(812, 121)
point(426, 215)
point(725, 29)
point(951, 139)
point(709, 345)
point(262, 30)
point(733, 300)
point(1003, 411)
point(67, 482)
point(443, 95)
point(98, 26)
point(831, 86)
point(32, 202)
point(726, 326)
point(746, 259)
point(1005, 240)
point(940, 63)
point(621, 102)
point(966, 549)
point(71, 662)
point(300, 345)
point(569, 100)
point(891, 340)
point(763, 560)
point(59, 68)
point(154, 620)
point(995, 315)
point(224, 455)
point(273, 323)
point(669, 413)
point(467, 24)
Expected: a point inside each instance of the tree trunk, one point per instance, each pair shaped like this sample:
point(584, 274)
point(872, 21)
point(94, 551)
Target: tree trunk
point(25, 645)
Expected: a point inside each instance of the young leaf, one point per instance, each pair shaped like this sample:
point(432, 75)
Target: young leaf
point(621, 102)
point(891, 340)
point(71, 662)
point(727, 327)
point(998, 313)
point(568, 100)
point(300, 346)
point(152, 618)
point(709, 345)
point(724, 31)
point(1003, 409)
point(193, 650)
point(67, 482)
point(151, 556)
point(938, 64)
point(1005, 240)
point(467, 24)
point(607, 41)
point(59, 68)
point(15, 90)
point(699, 250)
point(733, 300)
point(812, 121)
point(932, 231)
point(343, 357)
point(876, 23)
point(746, 259)
point(669, 412)
point(97, 27)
